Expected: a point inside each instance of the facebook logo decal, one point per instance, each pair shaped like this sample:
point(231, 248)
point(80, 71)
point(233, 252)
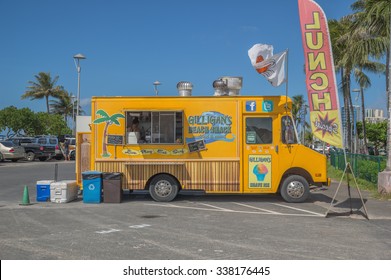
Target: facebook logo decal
point(251, 106)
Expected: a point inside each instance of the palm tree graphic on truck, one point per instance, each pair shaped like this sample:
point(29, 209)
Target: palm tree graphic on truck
point(108, 120)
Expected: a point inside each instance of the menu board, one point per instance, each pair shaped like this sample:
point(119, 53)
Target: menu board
point(196, 146)
point(113, 139)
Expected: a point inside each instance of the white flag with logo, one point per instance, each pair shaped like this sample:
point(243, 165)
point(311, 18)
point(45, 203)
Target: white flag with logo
point(272, 67)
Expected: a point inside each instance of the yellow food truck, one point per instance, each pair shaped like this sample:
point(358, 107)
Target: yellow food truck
point(217, 144)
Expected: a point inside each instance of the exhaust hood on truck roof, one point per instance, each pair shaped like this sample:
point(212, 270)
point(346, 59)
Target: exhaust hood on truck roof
point(228, 85)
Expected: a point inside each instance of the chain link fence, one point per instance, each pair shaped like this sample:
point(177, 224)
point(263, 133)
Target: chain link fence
point(364, 166)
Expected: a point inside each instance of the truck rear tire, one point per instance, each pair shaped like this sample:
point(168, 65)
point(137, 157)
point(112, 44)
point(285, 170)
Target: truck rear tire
point(30, 156)
point(163, 188)
point(295, 189)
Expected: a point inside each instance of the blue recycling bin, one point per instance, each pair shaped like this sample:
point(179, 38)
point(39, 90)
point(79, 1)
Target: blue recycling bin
point(92, 187)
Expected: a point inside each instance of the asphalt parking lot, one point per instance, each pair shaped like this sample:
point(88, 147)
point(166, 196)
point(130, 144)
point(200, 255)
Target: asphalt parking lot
point(193, 226)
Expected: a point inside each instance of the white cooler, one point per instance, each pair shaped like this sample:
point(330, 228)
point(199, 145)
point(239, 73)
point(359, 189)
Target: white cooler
point(63, 191)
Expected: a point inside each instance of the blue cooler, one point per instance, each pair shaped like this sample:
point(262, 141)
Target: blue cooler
point(43, 190)
point(92, 186)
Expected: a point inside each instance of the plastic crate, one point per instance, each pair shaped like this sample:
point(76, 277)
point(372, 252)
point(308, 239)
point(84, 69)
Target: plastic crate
point(63, 191)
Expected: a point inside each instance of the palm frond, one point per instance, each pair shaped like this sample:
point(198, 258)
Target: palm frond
point(102, 113)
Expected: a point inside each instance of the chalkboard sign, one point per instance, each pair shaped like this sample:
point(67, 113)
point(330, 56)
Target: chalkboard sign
point(115, 139)
point(196, 146)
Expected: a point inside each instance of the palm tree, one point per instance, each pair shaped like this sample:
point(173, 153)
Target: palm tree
point(363, 80)
point(361, 49)
point(65, 106)
point(108, 120)
point(339, 34)
point(43, 87)
point(353, 45)
point(297, 104)
point(375, 16)
point(308, 137)
point(62, 106)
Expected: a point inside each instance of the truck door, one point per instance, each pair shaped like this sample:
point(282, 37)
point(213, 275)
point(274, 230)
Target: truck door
point(260, 161)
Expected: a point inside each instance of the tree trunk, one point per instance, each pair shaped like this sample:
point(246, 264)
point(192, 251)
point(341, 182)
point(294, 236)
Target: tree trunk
point(47, 103)
point(351, 120)
point(347, 106)
point(388, 87)
point(388, 71)
point(364, 130)
point(104, 146)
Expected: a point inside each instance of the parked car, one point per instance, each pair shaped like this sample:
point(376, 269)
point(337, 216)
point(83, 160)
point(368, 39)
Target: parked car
point(33, 149)
point(382, 152)
point(72, 155)
point(321, 149)
point(51, 143)
point(1, 157)
point(61, 138)
point(11, 151)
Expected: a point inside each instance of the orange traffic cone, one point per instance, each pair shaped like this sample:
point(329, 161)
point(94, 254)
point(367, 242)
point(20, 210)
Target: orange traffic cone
point(26, 197)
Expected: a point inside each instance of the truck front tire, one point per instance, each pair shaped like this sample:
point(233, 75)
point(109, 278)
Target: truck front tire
point(295, 189)
point(163, 188)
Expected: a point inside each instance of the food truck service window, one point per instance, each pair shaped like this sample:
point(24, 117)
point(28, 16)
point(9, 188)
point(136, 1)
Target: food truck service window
point(154, 127)
point(259, 131)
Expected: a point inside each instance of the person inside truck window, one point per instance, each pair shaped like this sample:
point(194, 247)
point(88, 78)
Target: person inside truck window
point(134, 127)
point(288, 131)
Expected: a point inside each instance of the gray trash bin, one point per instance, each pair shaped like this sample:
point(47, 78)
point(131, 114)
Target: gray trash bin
point(112, 187)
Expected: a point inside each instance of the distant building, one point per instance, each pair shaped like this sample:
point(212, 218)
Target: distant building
point(374, 115)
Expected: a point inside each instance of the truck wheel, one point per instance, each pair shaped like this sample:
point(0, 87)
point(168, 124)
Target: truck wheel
point(30, 156)
point(163, 188)
point(295, 189)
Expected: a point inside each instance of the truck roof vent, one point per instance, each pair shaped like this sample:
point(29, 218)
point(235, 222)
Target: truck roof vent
point(220, 88)
point(184, 88)
point(234, 84)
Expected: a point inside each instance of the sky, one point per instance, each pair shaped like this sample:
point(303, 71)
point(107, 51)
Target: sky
point(130, 44)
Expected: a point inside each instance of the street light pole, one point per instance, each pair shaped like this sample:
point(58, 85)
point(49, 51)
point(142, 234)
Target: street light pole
point(77, 58)
point(73, 115)
point(156, 84)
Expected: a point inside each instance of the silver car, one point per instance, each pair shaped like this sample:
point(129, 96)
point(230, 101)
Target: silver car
point(11, 151)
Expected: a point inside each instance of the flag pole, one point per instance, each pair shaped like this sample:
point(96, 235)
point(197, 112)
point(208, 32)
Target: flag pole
point(286, 74)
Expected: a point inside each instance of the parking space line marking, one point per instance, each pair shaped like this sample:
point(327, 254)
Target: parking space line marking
point(108, 231)
point(234, 211)
point(220, 208)
point(140, 226)
point(298, 209)
point(257, 208)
